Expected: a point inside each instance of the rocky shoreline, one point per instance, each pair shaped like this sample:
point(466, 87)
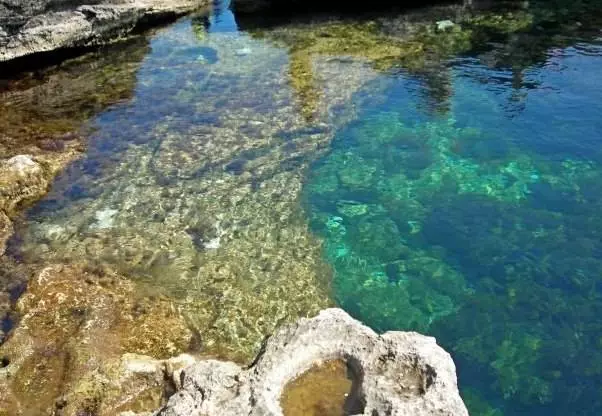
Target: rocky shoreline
point(41, 29)
point(400, 373)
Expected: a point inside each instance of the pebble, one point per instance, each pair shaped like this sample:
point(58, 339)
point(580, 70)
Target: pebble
point(243, 52)
point(443, 25)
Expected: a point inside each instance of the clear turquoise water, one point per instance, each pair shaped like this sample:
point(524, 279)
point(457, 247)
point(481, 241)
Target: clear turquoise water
point(464, 202)
point(480, 224)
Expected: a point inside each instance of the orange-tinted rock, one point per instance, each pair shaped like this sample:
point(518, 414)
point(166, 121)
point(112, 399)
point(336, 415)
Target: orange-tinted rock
point(6, 230)
point(66, 353)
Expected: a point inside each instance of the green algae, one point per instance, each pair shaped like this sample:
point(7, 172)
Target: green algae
point(365, 41)
point(412, 43)
point(464, 245)
point(503, 23)
point(197, 198)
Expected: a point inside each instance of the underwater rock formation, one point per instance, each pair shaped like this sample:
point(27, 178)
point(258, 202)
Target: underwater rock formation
point(220, 183)
point(26, 32)
point(401, 373)
point(41, 116)
point(66, 355)
point(24, 178)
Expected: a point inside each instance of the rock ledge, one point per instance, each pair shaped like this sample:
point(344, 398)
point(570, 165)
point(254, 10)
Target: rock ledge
point(401, 373)
point(87, 25)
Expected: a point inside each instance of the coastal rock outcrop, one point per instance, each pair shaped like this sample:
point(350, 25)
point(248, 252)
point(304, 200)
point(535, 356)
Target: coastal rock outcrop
point(25, 178)
point(46, 25)
point(75, 349)
point(399, 373)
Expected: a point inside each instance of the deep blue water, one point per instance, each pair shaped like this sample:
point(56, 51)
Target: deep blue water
point(480, 224)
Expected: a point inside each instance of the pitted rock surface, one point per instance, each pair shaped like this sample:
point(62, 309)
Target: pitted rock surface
point(401, 373)
point(45, 27)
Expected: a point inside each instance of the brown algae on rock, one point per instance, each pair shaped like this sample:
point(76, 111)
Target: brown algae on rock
point(66, 352)
point(323, 390)
point(193, 196)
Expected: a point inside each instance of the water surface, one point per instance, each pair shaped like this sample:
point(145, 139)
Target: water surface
point(479, 224)
point(450, 184)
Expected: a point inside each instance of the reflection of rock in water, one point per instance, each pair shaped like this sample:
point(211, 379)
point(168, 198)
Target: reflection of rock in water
point(38, 106)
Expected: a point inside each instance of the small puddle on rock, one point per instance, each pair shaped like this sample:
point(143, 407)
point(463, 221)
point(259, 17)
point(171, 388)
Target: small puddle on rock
point(326, 389)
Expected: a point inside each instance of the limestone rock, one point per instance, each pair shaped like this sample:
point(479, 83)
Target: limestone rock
point(23, 165)
point(21, 179)
point(24, 178)
point(41, 28)
point(67, 352)
point(402, 373)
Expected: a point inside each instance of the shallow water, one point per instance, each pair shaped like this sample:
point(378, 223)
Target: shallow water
point(326, 389)
point(456, 183)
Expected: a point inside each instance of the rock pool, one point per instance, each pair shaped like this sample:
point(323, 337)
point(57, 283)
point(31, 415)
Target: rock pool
point(437, 170)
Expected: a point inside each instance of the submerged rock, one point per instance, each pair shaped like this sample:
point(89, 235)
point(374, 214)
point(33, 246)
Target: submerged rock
point(23, 165)
point(443, 25)
point(6, 230)
point(66, 355)
point(402, 373)
point(24, 179)
point(243, 51)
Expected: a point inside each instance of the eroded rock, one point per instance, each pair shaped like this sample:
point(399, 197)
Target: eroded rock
point(401, 373)
point(26, 178)
point(67, 354)
point(85, 24)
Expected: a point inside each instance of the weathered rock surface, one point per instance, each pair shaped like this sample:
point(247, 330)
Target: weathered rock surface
point(15, 13)
point(66, 355)
point(401, 373)
point(24, 178)
point(6, 230)
point(47, 25)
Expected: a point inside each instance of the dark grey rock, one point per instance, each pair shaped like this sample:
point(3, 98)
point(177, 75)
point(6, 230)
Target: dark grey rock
point(34, 26)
